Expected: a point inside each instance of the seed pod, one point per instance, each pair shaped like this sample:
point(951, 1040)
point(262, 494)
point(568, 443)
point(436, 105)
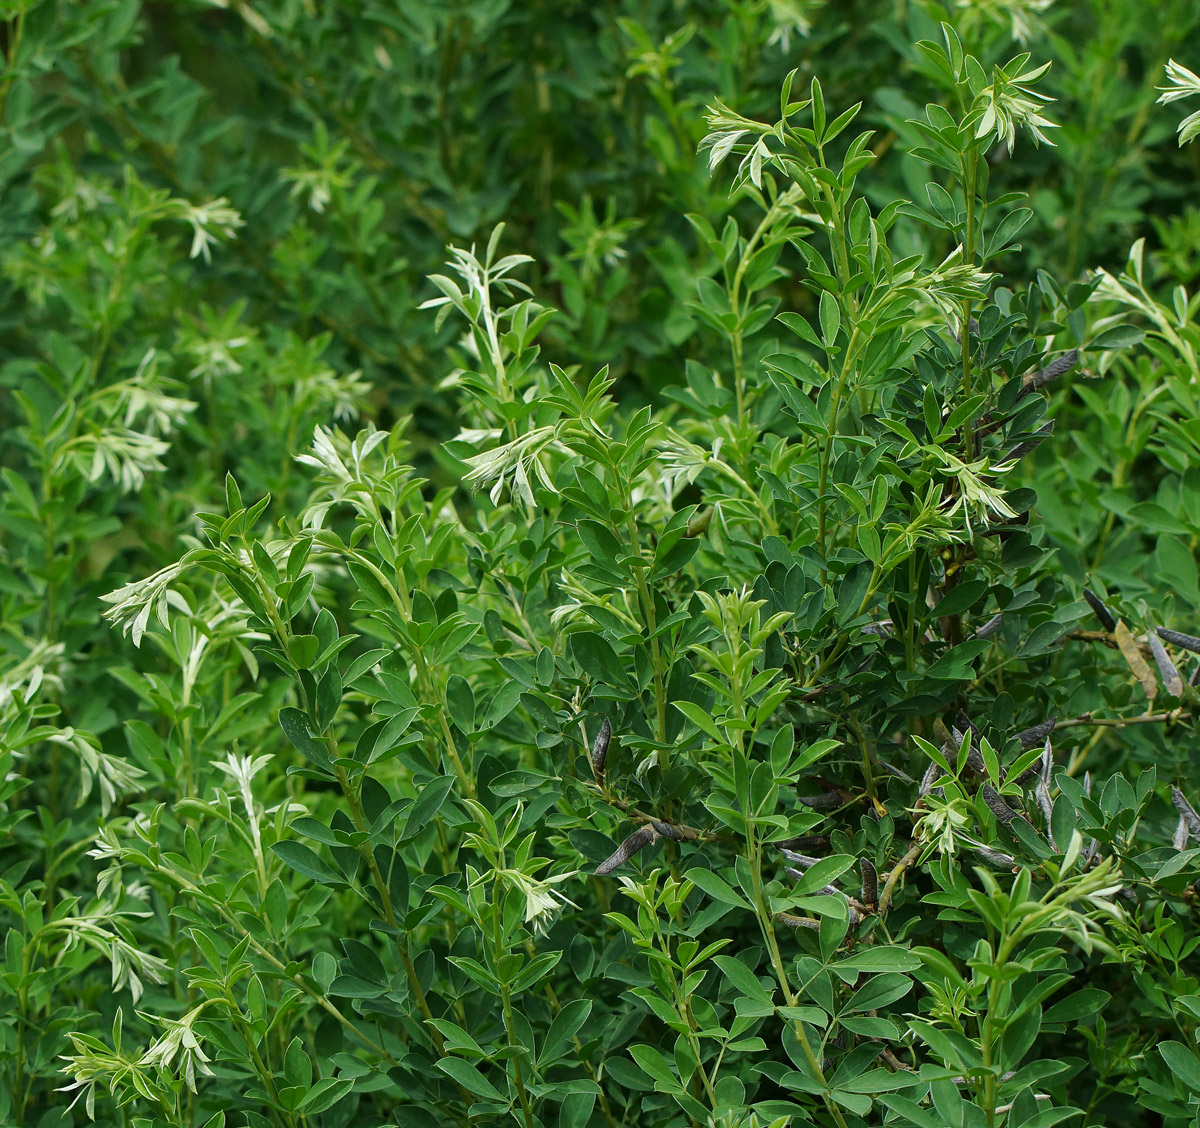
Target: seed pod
point(639, 839)
point(1043, 797)
point(1172, 682)
point(1187, 811)
point(1087, 784)
point(1107, 621)
point(1052, 371)
point(1180, 840)
point(1035, 440)
point(826, 801)
point(870, 881)
point(600, 749)
point(991, 626)
point(792, 921)
point(805, 842)
point(1178, 638)
point(1003, 812)
point(800, 861)
point(667, 830)
point(926, 785)
point(1035, 735)
point(1047, 764)
point(894, 771)
point(974, 762)
point(995, 858)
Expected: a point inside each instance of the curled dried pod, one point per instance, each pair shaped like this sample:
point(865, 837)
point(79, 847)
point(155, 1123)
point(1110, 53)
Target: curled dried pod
point(1036, 734)
point(638, 840)
point(793, 921)
point(1052, 371)
point(1047, 764)
point(975, 762)
point(1035, 440)
point(1172, 682)
point(931, 773)
point(800, 861)
point(1187, 811)
point(826, 801)
point(1107, 621)
point(962, 722)
point(1178, 638)
point(1043, 797)
point(1003, 812)
point(1180, 840)
point(805, 842)
point(600, 749)
point(991, 626)
point(870, 881)
point(1089, 853)
point(995, 858)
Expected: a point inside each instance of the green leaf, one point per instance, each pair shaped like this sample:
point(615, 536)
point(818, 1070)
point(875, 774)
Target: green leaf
point(305, 861)
point(708, 882)
point(565, 1026)
point(743, 979)
point(823, 873)
point(1183, 1063)
point(295, 727)
point(470, 1078)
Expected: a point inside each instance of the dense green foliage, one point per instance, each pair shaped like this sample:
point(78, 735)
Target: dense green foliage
point(588, 565)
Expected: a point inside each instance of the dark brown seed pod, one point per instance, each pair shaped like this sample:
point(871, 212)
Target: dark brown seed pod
point(600, 749)
point(1037, 734)
point(1052, 371)
point(826, 801)
point(1187, 811)
point(638, 840)
point(800, 861)
point(974, 763)
point(892, 770)
point(1178, 638)
point(1089, 854)
point(1003, 812)
point(1172, 682)
point(805, 842)
point(667, 830)
point(995, 858)
point(1047, 765)
point(926, 785)
point(991, 626)
point(1107, 621)
point(793, 921)
point(1043, 797)
point(870, 881)
point(1032, 443)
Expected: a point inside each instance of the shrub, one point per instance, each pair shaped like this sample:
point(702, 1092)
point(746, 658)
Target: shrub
point(782, 725)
